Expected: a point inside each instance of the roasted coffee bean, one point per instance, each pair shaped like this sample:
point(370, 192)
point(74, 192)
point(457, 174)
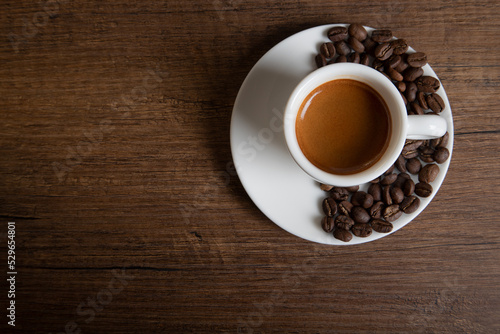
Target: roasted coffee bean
point(362, 199)
point(390, 170)
point(385, 74)
point(441, 155)
point(327, 50)
point(342, 235)
point(357, 198)
point(397, 195)
point(428, 173)
point(421, 99)
point(392, 213)
point(354, 58)
point(382, 35)
point(401, 163)
point(383, 51)
point(378, 65)
point(336, 34)
point(320, 60)
point(369, 45)
point(376, 210)
point(400, 181)
point(339, 194)
point(417, 59)
point(327, 223)
point(388, 77)
point(402, 66)
point(435, 102)
point(389, 179)
point(360, 215)
point(381, 226)
point(441, 141)
point(401, 86)
point(427, 84)
point(341, 59)
point(404, 99)
point(357, 31)
point(400, 46)
point(355, 44)
point(375, 189)
point(342, 48)
point(410, 150)
point(364, 59)
point(393, 74)
point(411, 91)
point(410, 204)
point(415, 109)
point(386, 195)
point(352, 189)
point(344, 208)
point(329, 207)
point(426, 154)
point(412, 144)
point(423, 189)
point(362, 230)
point(325, 187)
point(413, 165)
point(412, 73)
point(393, 61)
point(343, 222)
point(408, 187)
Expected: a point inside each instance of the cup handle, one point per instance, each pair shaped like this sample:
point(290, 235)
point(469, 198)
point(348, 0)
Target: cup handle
point(426, 126)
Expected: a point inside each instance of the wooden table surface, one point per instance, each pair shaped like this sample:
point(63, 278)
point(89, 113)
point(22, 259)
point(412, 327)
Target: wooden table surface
point(129, 218)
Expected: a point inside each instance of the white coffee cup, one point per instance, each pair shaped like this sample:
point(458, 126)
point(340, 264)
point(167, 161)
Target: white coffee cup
point(403, 126)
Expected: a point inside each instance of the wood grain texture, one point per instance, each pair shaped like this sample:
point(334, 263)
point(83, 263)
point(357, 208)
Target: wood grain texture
point(116, 167)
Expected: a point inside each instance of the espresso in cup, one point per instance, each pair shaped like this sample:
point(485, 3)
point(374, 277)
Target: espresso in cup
point(346, 124)
point(343, 126)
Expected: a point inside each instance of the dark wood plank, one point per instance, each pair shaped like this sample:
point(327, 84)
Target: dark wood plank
point(116, 167)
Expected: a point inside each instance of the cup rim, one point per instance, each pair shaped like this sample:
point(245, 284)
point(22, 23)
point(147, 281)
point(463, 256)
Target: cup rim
point(366, 75)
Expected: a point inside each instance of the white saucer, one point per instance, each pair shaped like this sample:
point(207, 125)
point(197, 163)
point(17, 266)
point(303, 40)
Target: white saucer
point(279, 188)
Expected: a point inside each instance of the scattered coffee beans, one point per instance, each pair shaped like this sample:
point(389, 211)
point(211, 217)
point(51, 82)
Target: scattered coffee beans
point(336, 34)
point(360, 215)
point(362, 230)
point(343, 222)
point(435, 102)
point(381, 226)
point(410, 204)
point(351, 211)
point(428, 173)
point(417, 59)
point(441, 155)
point(383, 51)
point(427, 84)
point(392, 213)
point(376, 210)
point(412, 73)
point(356, 44)
point(382, 36)
point(423, 189)
point(342, 235)
point(320, 60)
point(357, 31)
point(327, 223)
point(329, 207)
